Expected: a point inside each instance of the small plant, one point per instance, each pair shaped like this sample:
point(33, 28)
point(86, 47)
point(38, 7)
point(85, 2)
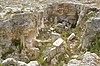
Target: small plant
point(9, 51)
point(95, 45)
point(90, 13)
point(0, 64)
point(19, 43)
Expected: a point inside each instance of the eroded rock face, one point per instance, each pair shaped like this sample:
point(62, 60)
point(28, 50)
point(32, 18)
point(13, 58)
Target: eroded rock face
point(18, 33)
point(62, 13)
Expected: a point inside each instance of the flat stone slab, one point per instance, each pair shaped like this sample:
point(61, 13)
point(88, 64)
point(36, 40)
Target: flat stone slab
point(58, 42)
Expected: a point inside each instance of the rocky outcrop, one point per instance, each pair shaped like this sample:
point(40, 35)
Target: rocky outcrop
point(17, 33)
point(11, 61)
point(92, 28)
point(88, 59)
point(91, 37)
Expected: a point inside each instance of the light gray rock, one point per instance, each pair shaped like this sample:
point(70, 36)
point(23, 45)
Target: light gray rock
point(58, 42)
point(9, 61)
point(74, 62)
point(92, 28)
point(20, 63)
point(88, 59)
point(93, 24)
point(75, 56)
point(52, 29)
point(56, 34)
point(33, 63)
point(71, 37)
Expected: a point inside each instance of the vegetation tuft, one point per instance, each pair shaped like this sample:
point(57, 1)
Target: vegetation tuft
point(95, 46)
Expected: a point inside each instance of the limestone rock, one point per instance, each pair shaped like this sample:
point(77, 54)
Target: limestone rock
point(87, 60)
point(56, 34)
point(51, 28)
point(90, 60)
point(11, 61)
point(20, 63)
point(92, 28)
point(58, 42)
point(74, 62)
point(33, 63)
point(75, 56)
point(71, 37)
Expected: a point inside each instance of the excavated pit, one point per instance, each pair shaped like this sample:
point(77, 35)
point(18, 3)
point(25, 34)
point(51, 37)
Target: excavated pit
point(65, 13)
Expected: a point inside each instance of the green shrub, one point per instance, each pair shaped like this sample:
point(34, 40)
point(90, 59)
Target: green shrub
point(95, 45)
